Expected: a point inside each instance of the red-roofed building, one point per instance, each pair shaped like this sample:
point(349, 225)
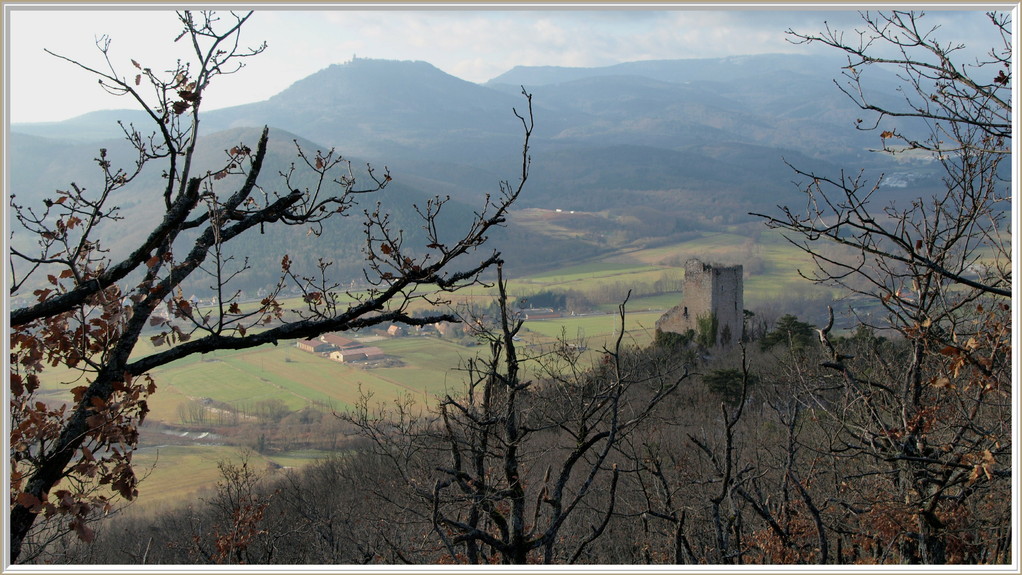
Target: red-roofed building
point(314, 345)
point(326, 343)
point(357, 354)
point(339, 342)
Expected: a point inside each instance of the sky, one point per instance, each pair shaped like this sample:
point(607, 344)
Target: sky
point(475, 44)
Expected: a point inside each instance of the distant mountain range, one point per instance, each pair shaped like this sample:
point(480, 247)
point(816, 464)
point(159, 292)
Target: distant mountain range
point(703, 141)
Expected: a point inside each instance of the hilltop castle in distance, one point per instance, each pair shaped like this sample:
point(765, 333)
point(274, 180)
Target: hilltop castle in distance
point(712, 295)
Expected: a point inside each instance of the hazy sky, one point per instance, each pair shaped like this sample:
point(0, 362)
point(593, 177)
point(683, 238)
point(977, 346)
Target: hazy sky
point(474, 44)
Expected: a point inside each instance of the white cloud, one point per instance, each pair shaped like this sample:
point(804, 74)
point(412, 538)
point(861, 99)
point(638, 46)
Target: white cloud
point(475, 45)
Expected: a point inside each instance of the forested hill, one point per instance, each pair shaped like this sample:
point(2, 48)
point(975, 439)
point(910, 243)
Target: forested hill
point(702, 142)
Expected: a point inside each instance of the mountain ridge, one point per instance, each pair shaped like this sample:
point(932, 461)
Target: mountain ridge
point(705, 149)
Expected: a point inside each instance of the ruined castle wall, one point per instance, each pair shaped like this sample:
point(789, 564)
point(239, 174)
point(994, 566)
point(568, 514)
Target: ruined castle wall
point(707, 290)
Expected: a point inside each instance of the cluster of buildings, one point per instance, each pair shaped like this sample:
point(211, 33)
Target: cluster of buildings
point(340, 348)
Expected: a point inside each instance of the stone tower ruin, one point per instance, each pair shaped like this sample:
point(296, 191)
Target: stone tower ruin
point(712, 296)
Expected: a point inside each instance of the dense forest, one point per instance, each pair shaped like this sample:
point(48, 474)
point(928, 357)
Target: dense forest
point(759, 456)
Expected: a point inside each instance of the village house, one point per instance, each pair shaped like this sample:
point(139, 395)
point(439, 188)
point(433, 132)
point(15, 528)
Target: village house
point(444, 328)
point(541, 313)
point(314, 345)
point(339, 342)
point(357, 354)
point(326, 343)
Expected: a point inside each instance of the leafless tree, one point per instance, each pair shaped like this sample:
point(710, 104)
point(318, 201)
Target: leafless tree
point(928, 427)
point(940, 85)
point(505, 469)
point(89, 307)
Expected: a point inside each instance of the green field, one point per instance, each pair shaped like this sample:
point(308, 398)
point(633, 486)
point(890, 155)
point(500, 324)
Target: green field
point(299, 378)
point(176, 473)
point(771, 262)
point(593, 272)
point(171, 474)
point(771, 265)
point(599, 330)
point(424, 367)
